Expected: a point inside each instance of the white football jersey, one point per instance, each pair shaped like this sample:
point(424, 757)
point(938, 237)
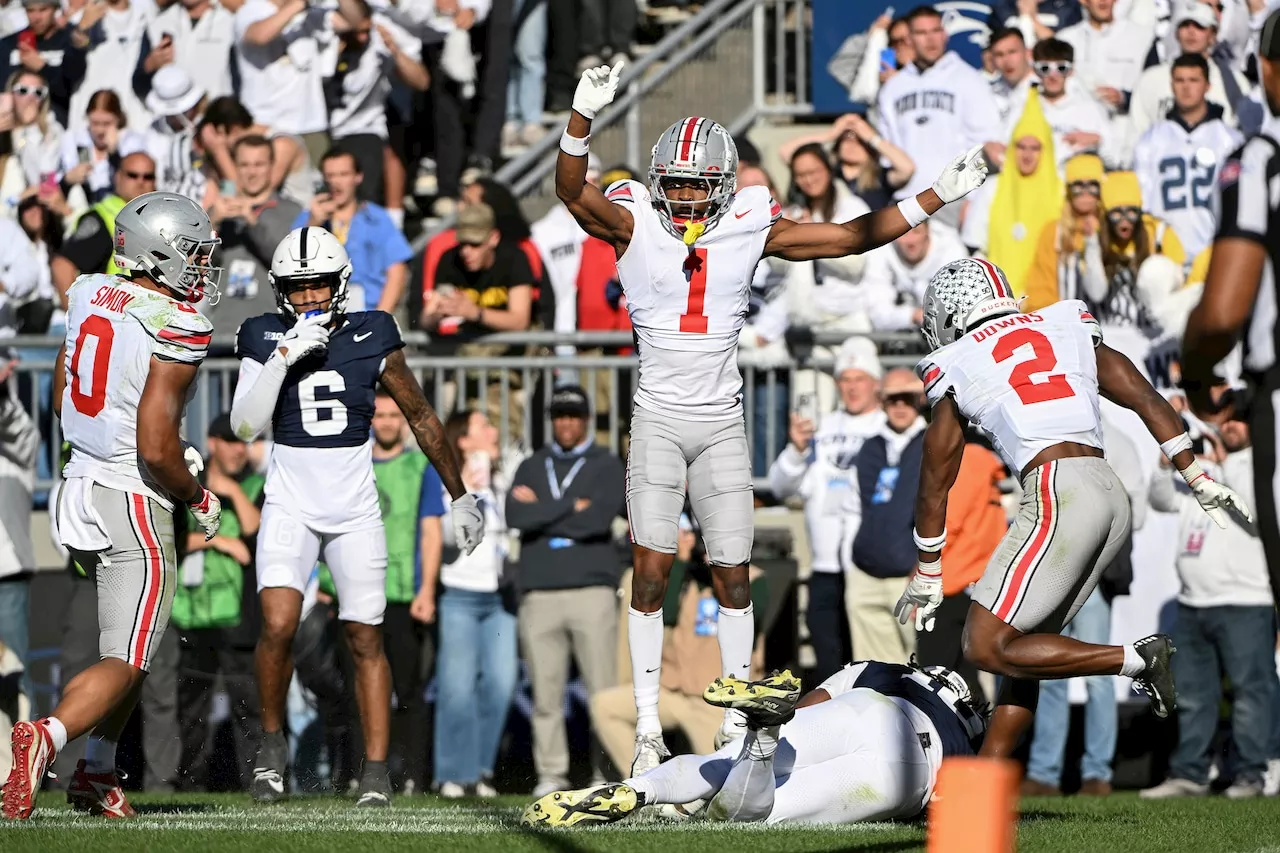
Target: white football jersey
point(1030, 380)
point(1178, 167)
point(114, 329)
point(688, 304)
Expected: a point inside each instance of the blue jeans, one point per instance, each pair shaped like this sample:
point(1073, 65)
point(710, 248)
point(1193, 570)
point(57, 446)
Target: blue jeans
point(1053, 715)
point(476, 669)
point(15, 596)
point(527, 80)
point(1238, 642)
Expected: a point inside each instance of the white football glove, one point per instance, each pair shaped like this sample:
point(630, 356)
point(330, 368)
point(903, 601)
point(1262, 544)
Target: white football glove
point(468, 523)
point(308, 335)
point(962, 176)
point(924, 595)
point(596, 89)
point(1215, 499)
point(208, 513)
point(195, 462)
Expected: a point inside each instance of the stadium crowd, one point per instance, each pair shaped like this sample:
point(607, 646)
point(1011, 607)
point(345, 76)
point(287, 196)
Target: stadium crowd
point(1105, 123)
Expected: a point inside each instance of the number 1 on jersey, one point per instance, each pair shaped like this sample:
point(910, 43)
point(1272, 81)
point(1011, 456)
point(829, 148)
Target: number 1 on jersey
point(695, 268)
point(1055, 386)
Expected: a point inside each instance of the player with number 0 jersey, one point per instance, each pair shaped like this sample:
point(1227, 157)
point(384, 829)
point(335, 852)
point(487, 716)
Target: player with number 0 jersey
point(1032, 382)
point(688, 243)
point(121, 381)
point(310, 373)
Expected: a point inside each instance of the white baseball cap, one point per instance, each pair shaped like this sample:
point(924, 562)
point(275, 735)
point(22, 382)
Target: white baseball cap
point(859, 353)
point(1196, 13)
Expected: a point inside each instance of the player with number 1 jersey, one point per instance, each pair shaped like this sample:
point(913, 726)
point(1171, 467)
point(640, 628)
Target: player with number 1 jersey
point(688, 243)
point(310, 372)
point(1032, 382)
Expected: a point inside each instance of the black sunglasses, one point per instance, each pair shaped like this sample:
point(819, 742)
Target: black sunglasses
point(906, 398)
point(1080, 187)
point(1044, 69)
point(140, 176)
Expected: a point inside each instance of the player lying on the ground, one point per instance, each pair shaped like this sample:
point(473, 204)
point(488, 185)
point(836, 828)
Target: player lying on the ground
point(1032, 381)
point(688, 243)
point(865, 745)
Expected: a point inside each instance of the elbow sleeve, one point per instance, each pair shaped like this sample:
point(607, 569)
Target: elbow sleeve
point(256, 395)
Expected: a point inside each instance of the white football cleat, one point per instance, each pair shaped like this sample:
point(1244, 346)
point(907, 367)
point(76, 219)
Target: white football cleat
point(650, 750)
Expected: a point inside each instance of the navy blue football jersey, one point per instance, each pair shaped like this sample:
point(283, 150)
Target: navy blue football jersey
point(326, 400)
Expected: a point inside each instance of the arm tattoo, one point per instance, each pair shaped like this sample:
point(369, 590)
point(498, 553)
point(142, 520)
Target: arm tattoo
point(403, 387)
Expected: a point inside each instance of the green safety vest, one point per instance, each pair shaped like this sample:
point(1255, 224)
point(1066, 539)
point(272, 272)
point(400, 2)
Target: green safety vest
point(215, 603)
point(108, 209)
point(399, 483)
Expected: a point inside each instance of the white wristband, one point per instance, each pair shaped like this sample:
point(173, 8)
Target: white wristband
point(929, 570)
point(1175, 445)
point(1193, 472)
point(912, 211)
point(573, 146)
point(929, 544)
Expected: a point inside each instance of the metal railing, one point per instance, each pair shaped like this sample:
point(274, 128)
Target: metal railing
point(781, 37)
point(666, 83)
point(513, 389)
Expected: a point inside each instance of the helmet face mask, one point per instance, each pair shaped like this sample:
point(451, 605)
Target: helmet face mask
point(694, 157)
point(959, 295)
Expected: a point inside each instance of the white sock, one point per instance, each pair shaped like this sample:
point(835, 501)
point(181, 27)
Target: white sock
point(737, 630)
point(1133, 663)
point(57, 732)
point(762, 743)
point(100, 755)
point(644, 635)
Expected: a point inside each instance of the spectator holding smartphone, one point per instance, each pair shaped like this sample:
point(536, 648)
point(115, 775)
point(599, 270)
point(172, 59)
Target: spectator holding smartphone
point(226, 122)
point(49, 49)
point(379, 253)
point(197, 36)
point(252, 218)
point(90, 154)
point(34, 135)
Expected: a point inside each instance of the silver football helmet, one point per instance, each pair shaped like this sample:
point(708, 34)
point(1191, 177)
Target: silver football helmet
point(699, 150)
point(169, 238)
point(308, 256)
point(960, 295)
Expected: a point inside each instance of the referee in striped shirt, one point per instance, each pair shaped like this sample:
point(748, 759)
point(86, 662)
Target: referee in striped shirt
point(1240, 298)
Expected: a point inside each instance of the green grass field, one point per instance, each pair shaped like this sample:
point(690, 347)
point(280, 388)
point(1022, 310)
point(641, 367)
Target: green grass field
point(216, 823)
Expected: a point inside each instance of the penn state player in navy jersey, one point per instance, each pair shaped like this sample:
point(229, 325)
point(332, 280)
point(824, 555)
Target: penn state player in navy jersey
point(310, 372)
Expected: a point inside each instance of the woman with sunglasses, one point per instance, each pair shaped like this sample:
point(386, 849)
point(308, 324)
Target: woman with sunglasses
point(858, 150)
point(1059, 259)
point(91, 153)
point(35, 137)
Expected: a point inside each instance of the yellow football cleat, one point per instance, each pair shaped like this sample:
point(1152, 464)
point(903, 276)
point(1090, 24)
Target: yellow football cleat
point(768, 702)
point(603, 804)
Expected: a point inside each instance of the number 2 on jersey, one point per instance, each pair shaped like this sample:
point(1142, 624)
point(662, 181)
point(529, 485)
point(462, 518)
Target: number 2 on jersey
point(693, 319)
point(99, 328)
point(1055, 386)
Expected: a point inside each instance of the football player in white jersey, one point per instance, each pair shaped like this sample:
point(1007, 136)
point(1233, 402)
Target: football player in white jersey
point(1032, 381)
point(310, 372)
point(1178, 158)
point(867, 744)
point(121, 381)
point(687, 247)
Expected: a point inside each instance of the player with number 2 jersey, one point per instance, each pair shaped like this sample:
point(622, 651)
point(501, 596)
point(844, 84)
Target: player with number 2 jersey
point(1032, 382)
point(121, 380)
point(688, 243)
point(310, 372)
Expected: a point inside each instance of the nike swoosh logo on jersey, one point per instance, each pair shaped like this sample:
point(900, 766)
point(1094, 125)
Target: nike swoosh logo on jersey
point(359, 338)
point(742, 214)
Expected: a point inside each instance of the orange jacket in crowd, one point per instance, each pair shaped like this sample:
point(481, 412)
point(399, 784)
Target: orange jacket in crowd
point(596, 269)
point(975, 519)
